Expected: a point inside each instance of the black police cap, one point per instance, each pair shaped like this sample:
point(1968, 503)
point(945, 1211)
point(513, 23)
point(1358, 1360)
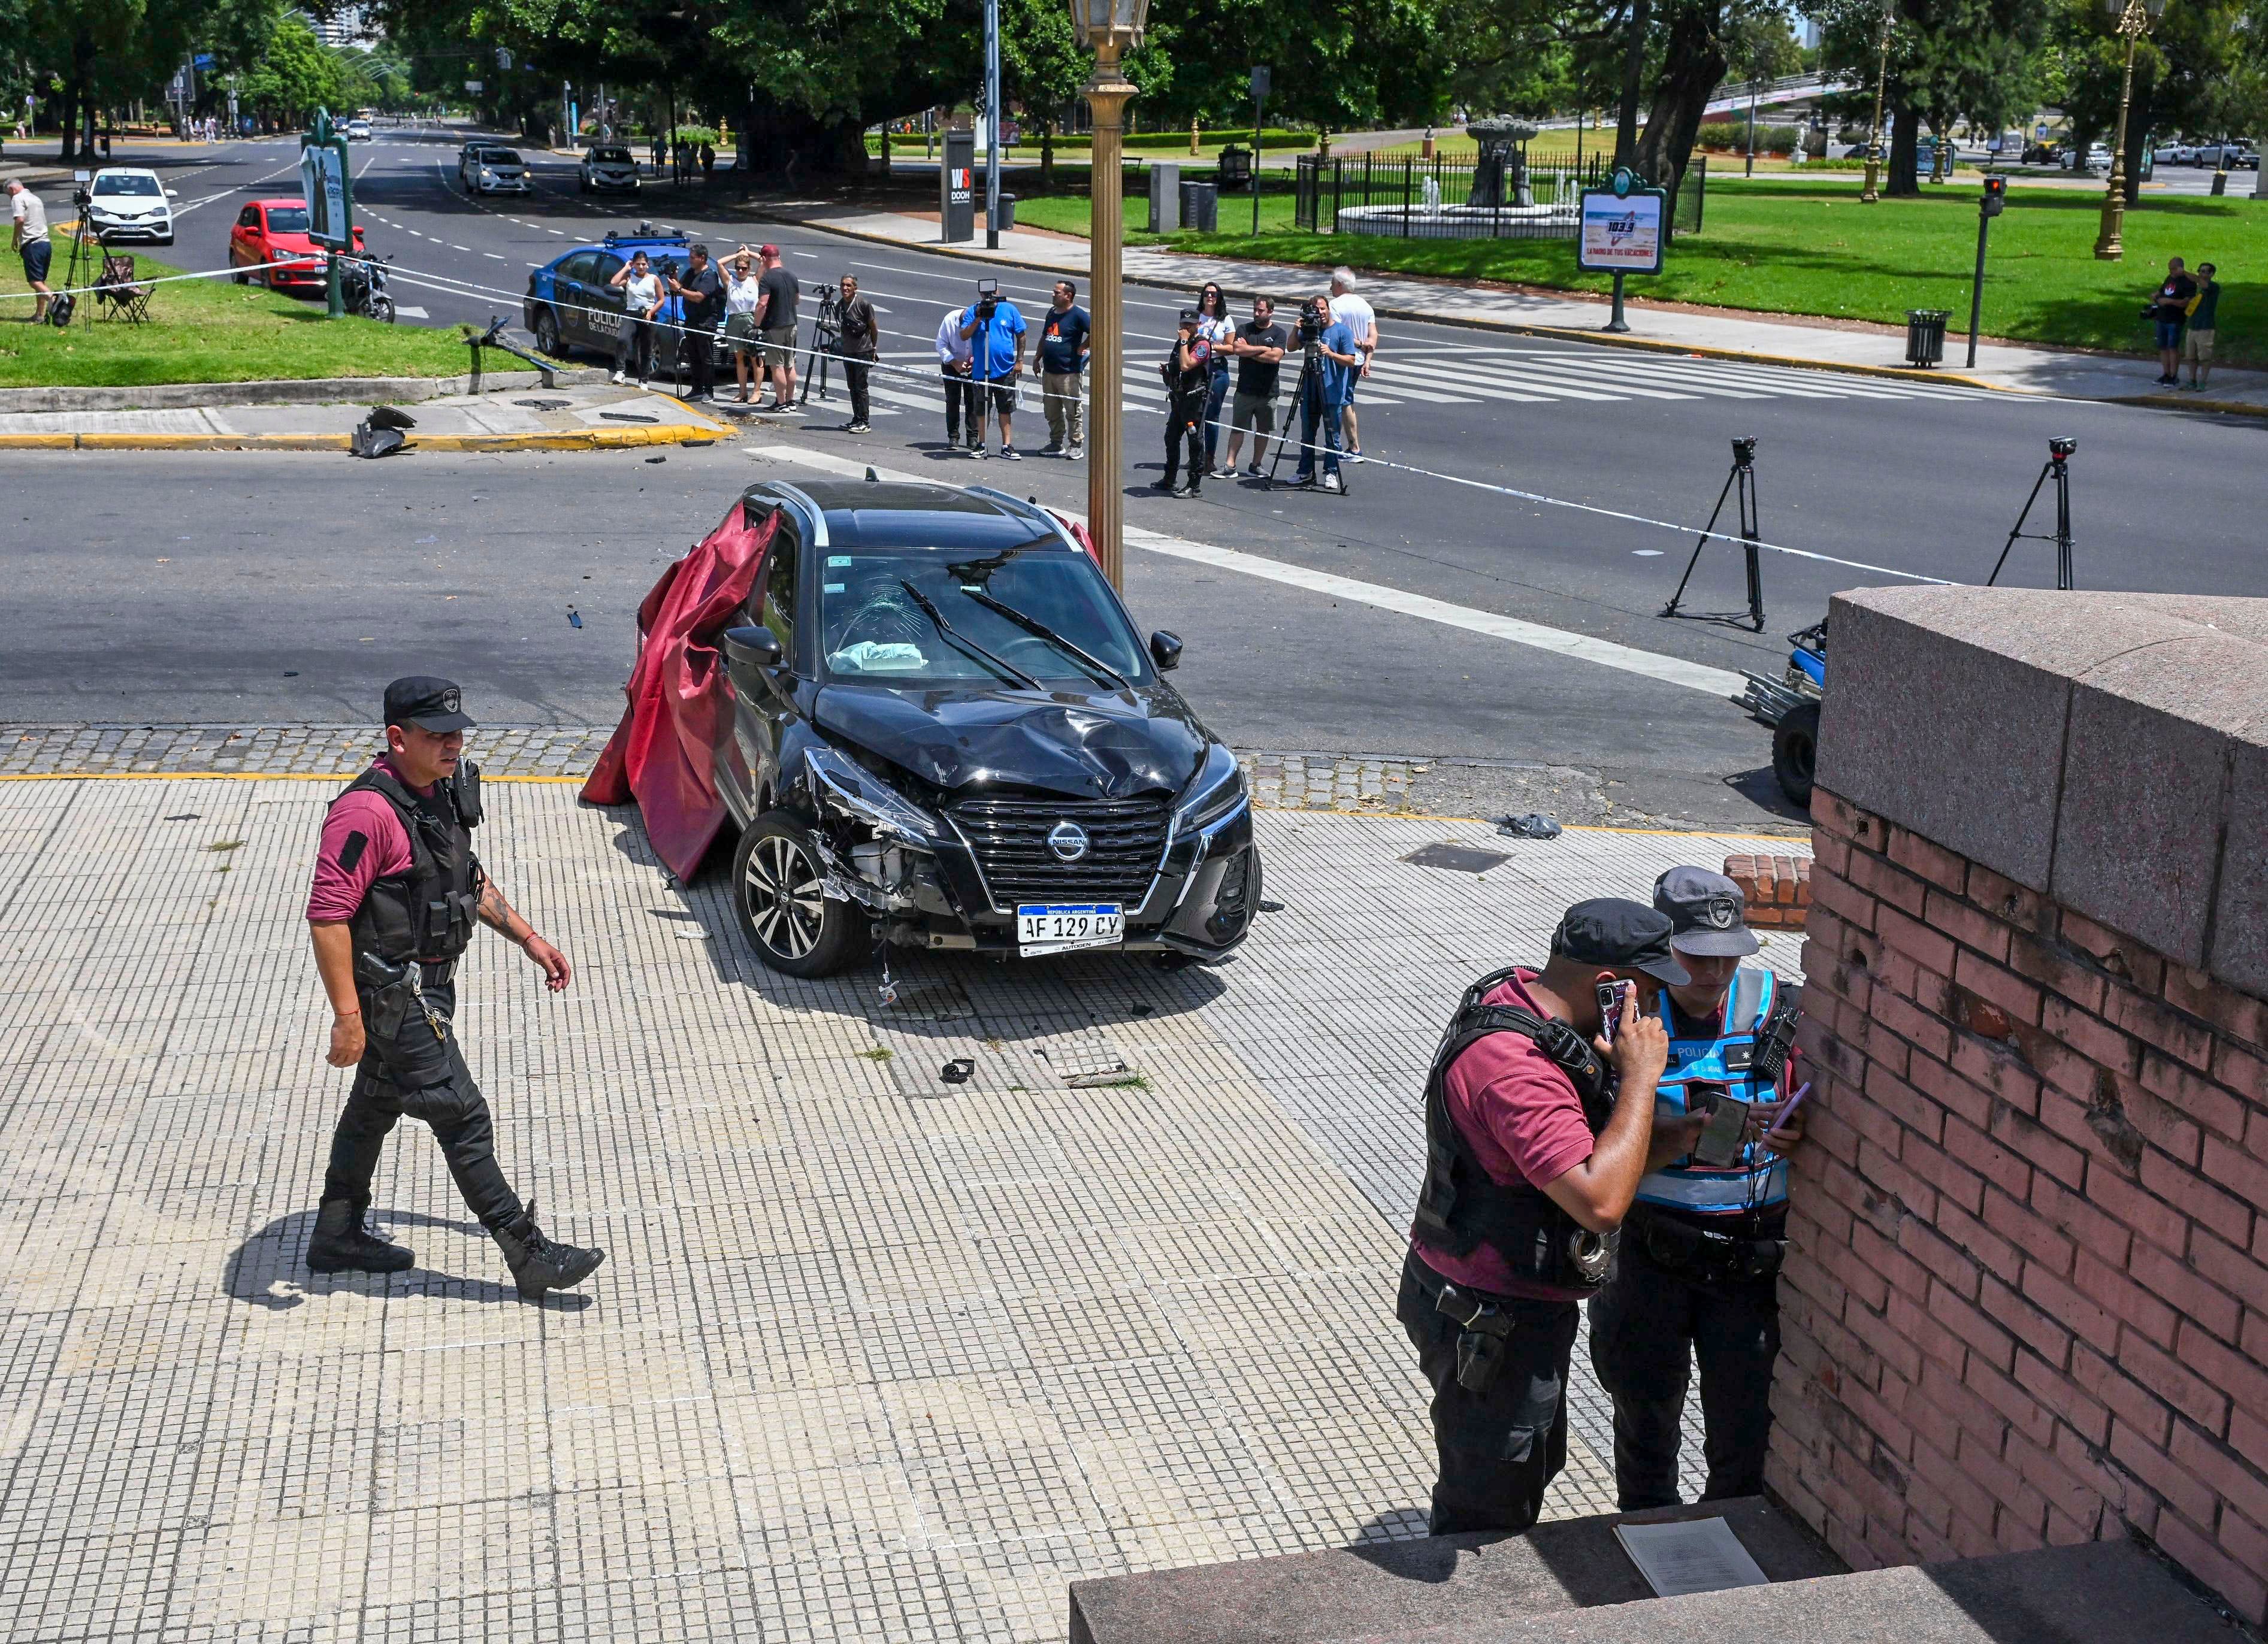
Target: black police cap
point(428, 703)
point(1616, 934)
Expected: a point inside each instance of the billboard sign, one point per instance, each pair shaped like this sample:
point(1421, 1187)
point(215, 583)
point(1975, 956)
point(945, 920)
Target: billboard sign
point(1623, 233)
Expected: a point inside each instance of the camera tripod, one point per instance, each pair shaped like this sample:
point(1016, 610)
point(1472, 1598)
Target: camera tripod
point(2060, 452)
point(1743, 479)
point(66, 302)
point(1311, 375)
point(826, 344)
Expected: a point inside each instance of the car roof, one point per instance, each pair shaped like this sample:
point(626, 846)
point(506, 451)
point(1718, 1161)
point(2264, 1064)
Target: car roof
point(124, 170)
point(292, 200)
point(893, 514)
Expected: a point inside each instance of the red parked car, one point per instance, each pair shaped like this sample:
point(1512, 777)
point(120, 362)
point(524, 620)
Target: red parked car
point(271, 231)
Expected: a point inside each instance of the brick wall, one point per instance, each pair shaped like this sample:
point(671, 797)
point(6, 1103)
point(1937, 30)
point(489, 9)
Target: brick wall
point(2027, 1300)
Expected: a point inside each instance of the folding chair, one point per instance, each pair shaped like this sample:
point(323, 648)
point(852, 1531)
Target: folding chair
point(116, 294)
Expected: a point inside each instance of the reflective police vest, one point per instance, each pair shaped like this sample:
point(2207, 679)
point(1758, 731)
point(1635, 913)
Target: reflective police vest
point(1722, 1063)
point(427, 911)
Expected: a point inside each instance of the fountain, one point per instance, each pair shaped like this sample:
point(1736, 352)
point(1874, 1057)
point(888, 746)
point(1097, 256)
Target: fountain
point(1501, 202)
point(1503, 161)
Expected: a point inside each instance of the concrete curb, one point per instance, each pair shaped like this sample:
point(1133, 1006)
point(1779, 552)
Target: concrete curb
point(1523, 328)
point(2176, 402)
point(562, 439)
point(306, 391)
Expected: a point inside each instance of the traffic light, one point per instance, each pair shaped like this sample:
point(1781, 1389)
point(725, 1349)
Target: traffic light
point(1996, 196)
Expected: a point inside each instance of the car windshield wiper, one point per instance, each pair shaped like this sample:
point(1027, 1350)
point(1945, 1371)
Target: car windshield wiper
point(1007, 670)
point(1098, 668)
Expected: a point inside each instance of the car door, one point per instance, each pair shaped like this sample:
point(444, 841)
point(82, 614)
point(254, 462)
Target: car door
point(241, 248)
point(600, 302)
point(762, 699)
point(566, 291)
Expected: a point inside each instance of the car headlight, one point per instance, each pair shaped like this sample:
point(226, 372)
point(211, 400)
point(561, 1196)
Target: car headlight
point(487, 176)
point(1216, 794)
point(839, 781)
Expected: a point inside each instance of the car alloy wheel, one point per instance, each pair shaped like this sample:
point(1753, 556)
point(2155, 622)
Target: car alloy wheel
point(547, 335)
point(780, 892)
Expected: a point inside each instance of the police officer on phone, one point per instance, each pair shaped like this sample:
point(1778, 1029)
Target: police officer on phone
point(1539, 1123)
point(1697, 1269)
point(397, 891)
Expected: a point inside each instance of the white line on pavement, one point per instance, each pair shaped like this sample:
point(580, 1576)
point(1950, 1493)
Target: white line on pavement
point(1669, 670)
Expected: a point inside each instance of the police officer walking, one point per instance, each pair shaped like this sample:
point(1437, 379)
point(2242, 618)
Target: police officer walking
point(1539, 1122)
point(1697, 1272)
point(397, 888)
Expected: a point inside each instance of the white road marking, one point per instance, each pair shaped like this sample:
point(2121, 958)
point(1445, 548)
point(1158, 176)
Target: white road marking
point(1717, 682)
point(494, 256)
point(408, 312)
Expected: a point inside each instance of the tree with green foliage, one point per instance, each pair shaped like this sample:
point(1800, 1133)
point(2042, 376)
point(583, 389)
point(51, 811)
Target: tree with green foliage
point(1950, 61)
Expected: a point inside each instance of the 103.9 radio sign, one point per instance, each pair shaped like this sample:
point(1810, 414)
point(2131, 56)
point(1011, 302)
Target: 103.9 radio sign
point(1623, 233)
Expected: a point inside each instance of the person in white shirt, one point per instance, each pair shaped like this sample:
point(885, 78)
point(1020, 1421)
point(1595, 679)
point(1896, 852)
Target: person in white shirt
point(954, 354)
point(1218, 331)
point(641, 290)
point(743, 285)
point(28, 215)
point(1356, 316)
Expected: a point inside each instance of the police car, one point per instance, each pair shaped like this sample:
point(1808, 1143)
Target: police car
point(572, 302)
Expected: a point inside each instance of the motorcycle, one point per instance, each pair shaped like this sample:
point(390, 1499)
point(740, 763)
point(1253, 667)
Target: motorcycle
point(362, 287)
point(1790, 706)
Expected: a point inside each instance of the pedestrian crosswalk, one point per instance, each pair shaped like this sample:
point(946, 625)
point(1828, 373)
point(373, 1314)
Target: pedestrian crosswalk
point(1516, 376)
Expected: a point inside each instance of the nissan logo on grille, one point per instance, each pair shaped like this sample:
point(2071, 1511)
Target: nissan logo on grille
point(1067, 840)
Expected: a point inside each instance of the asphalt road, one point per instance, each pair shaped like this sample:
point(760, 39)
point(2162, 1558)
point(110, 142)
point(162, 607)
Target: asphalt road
point(266, 589)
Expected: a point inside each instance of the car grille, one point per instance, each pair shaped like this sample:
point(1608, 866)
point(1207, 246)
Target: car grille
point(1126, 840)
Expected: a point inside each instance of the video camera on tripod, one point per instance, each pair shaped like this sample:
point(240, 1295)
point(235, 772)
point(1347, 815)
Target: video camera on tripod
point(66, 301)
point(988, 302)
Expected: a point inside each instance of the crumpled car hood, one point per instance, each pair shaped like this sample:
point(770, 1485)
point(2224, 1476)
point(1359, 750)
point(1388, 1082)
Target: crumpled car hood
point(1091, 747)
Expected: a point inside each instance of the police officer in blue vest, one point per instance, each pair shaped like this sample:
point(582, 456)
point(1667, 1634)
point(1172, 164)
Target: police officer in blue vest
point(1697, 1273)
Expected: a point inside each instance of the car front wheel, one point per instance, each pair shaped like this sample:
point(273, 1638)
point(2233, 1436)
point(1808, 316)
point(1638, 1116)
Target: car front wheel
point(1795, 752)
point(780, 892)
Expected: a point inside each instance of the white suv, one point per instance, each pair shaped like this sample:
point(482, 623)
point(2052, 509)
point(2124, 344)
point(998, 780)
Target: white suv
point(608, 168)
point(130, 204)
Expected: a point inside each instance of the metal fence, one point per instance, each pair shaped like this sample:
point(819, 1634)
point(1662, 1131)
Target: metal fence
point(1419, 199)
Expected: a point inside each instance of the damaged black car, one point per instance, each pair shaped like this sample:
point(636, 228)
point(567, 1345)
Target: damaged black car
point(949, 734)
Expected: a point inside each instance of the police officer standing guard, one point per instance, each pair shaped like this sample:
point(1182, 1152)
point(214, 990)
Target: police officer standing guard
point(396, 890)
point(1697, 1272)
point(1539, 1122)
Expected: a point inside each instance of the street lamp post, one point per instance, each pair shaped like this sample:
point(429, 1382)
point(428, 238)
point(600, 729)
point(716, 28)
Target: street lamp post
point(2134, 19)
point(1870, 193)
point(1108, 28)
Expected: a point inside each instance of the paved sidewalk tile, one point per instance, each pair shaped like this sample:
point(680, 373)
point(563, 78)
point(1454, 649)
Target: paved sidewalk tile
point(873, 1356)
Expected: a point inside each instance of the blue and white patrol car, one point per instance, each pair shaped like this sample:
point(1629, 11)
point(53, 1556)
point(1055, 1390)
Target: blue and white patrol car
point(572, 303)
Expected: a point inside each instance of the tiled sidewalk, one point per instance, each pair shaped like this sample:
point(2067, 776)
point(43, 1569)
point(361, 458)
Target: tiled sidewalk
point(874, 1356)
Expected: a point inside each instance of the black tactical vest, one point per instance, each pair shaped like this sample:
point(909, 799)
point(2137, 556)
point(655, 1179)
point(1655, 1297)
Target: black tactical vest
point(427, 912)
point(1461, 1207)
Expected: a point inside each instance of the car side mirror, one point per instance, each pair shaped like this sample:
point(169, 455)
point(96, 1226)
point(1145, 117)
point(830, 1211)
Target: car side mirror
point(1166, 650)
point(752, 645)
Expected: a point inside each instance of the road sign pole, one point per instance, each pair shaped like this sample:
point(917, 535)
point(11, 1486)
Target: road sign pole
point(1616, 322)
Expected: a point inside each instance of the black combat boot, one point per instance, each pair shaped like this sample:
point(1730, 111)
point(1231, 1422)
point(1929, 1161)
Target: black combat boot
point(341, 1244)
point(538, 1264)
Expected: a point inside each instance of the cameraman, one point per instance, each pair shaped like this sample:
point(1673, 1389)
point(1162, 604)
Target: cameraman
point(1539, 1122)
point(995, 330)
point(1188, 371)
point(954, 364)
point(1325, 387)
point(861, 333)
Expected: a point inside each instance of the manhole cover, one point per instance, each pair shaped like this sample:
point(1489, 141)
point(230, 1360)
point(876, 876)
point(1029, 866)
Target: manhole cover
point(1455, 858)
point(628, 416)
point(544, 405)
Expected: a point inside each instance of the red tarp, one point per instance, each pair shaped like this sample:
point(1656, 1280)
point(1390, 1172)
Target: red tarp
point(680, 698)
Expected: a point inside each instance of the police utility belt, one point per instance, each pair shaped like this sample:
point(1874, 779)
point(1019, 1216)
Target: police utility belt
point(1703, 1254)
point(1461, 1207)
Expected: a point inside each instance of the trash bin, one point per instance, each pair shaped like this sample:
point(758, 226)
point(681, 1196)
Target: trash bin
point(1007, 212)
point(1926, 335)
point(1201, 208)
point(1165, 196)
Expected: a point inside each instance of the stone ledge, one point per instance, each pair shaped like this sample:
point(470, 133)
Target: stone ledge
point(2109, 749)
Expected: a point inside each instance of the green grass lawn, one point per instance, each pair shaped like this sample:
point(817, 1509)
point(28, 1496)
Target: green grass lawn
point(205, 331)
point(1812, 248)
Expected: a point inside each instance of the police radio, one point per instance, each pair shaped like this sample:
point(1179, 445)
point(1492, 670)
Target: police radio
point(1777, 1037)
point(465, 789)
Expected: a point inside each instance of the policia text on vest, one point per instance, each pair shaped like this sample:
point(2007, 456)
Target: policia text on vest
point(1697, 1274)
point(1537, 1132)
point(397, 891)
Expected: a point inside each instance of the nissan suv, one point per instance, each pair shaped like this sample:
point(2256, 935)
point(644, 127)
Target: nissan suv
point(947, 734)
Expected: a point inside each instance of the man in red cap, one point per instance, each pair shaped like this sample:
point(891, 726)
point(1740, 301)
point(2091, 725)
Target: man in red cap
point(777, 296)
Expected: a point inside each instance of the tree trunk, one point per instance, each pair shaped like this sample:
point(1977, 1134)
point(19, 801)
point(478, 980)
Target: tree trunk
point(1047, 156)
point(2139, 119)
point(1905, 155)
point(70, 115)
point(1693, 66)
point(1633, 70)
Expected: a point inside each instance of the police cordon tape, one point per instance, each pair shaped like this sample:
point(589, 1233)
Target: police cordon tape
point(429, 279)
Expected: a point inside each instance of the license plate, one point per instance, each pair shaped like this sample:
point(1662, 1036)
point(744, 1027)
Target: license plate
point(1065, 927)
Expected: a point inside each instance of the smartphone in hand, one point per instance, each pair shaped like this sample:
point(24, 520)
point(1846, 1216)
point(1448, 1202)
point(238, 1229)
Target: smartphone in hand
point(1724, 1135)
point(1611, 996)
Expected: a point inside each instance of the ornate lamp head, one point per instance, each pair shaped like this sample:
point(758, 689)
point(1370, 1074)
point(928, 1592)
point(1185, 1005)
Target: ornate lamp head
point(1111, 27)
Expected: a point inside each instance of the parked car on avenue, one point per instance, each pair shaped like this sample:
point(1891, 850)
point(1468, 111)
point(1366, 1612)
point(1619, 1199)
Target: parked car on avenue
point(946, 733)
point(2174, 154)
point(130, 206)
point(607, 168)
point(271, 231)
